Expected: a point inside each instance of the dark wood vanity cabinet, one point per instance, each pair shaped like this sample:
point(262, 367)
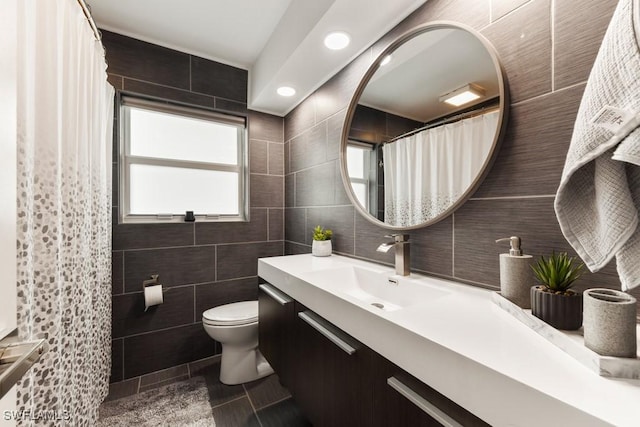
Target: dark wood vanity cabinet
point(332, 382)
point(275, 330)
point(338, 381)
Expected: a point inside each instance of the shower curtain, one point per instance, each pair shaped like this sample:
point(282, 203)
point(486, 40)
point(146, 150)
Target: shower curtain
point(65, 109)
point(425, 173)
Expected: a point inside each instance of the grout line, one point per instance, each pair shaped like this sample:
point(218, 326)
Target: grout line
point(541, 196)
point(204, 245)
point(265, 174)
point(253, 407)
point(138, 388)
point(189, 369)
point(453, 244)
point(355, 241)
point(553, 44)
point(268, 225)
point(537, 97)
point(227, 402)
point(507, 14)
point(490, 12)
point(276, 402)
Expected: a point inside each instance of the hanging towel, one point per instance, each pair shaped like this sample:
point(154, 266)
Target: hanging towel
point(598, 199)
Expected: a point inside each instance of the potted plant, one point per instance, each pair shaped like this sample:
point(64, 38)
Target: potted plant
point(553, 301)
point(321, 241)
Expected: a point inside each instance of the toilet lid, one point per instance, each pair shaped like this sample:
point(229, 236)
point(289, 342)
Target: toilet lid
point(238, 313)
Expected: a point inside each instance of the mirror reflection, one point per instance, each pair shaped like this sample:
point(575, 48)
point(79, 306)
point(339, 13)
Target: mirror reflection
point(424, 127)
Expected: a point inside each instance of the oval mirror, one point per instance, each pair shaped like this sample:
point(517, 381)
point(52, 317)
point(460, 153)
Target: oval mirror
point(424, 125)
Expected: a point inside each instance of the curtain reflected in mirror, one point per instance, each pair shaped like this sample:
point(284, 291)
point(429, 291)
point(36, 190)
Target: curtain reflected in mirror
point(427, 172)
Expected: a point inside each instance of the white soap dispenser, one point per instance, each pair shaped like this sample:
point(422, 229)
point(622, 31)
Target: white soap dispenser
point(516, 277)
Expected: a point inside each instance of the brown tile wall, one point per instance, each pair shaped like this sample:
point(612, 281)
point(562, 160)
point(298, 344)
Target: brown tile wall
point(547, 49)
point(201, 265)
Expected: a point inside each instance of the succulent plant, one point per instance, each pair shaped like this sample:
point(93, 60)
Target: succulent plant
point(558, 272)
point(320, 233)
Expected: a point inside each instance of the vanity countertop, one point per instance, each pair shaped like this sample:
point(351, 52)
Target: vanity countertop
point(465, 346)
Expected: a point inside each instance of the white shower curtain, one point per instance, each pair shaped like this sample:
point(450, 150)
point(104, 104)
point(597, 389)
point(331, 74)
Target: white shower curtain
point(65, 109)
point(425, 173)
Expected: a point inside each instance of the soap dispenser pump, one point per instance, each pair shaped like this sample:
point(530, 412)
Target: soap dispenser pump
point(515, 273)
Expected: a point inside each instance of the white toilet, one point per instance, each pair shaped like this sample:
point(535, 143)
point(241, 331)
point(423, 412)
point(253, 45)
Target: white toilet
point(235, 326)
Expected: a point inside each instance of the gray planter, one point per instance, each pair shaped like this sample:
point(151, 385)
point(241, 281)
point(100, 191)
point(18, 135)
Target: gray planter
point(560, 311)
point(610, 322)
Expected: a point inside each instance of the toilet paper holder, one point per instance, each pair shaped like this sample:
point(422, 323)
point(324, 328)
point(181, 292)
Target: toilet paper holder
point(153, 292)
point(153, 281)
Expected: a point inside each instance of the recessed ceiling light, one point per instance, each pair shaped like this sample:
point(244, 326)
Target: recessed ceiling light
point(463, 95)
point(286, 91)
point(337, 40)
point(385, 60)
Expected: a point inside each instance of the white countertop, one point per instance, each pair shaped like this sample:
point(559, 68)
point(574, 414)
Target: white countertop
point(467, 348)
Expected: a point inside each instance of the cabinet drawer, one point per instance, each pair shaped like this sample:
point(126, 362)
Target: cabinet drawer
point(275, 329)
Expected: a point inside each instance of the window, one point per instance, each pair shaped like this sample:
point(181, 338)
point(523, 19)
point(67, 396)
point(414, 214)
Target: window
point(358, 159)
point(176, 159)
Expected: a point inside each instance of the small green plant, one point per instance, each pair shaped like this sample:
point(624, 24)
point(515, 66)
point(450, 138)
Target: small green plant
point(320, 233)
point(558, 272)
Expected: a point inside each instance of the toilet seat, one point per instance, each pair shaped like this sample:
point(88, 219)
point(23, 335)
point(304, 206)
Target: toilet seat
point(236, 314)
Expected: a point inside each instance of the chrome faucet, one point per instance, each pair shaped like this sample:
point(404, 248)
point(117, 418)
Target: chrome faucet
point(401, 244)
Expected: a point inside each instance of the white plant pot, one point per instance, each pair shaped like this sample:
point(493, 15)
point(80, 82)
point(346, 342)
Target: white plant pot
point(321, 248)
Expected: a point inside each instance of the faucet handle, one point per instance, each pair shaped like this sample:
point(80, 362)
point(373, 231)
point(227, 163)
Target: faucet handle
point(398, 237)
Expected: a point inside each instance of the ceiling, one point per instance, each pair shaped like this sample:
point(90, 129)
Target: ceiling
point(280, 42)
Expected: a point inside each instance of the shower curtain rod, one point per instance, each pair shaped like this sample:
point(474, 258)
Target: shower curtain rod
point(447, 120)
point(87, 12)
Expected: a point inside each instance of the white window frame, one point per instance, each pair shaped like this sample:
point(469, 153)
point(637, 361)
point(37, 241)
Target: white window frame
point(366, 148)
point(126, 160)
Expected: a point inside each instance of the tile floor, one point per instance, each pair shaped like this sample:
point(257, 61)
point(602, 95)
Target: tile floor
point(203, 401)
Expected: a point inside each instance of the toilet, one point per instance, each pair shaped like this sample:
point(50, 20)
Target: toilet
point(235, 326)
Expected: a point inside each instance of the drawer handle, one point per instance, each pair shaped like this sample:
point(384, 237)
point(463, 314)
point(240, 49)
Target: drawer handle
point(426, 406)
point(318, 326)
point(275, 294)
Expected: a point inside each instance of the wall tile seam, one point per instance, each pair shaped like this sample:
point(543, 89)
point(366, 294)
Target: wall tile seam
point(308, 129)
point(268, 227)
point(186, 91)
point(539, 97)
point(153, 83)
point(532, 196)
point(264, 174)
point(511, 12)
point(197, 284)
point(166, 288)
point(169, 328)
point(326, 162)
point(319, 206)
point(270, 141)
point(453, 243)
point(190, 73)
point(203, 245)
point(252, 242)
point(552, 34)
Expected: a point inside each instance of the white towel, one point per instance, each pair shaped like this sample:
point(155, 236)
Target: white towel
point(598, 199)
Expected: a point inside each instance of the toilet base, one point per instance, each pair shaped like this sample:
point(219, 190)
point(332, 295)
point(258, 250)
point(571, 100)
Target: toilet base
point(238, 366)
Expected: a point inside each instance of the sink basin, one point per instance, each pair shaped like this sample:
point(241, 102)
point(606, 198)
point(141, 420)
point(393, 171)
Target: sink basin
point(382, 290)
